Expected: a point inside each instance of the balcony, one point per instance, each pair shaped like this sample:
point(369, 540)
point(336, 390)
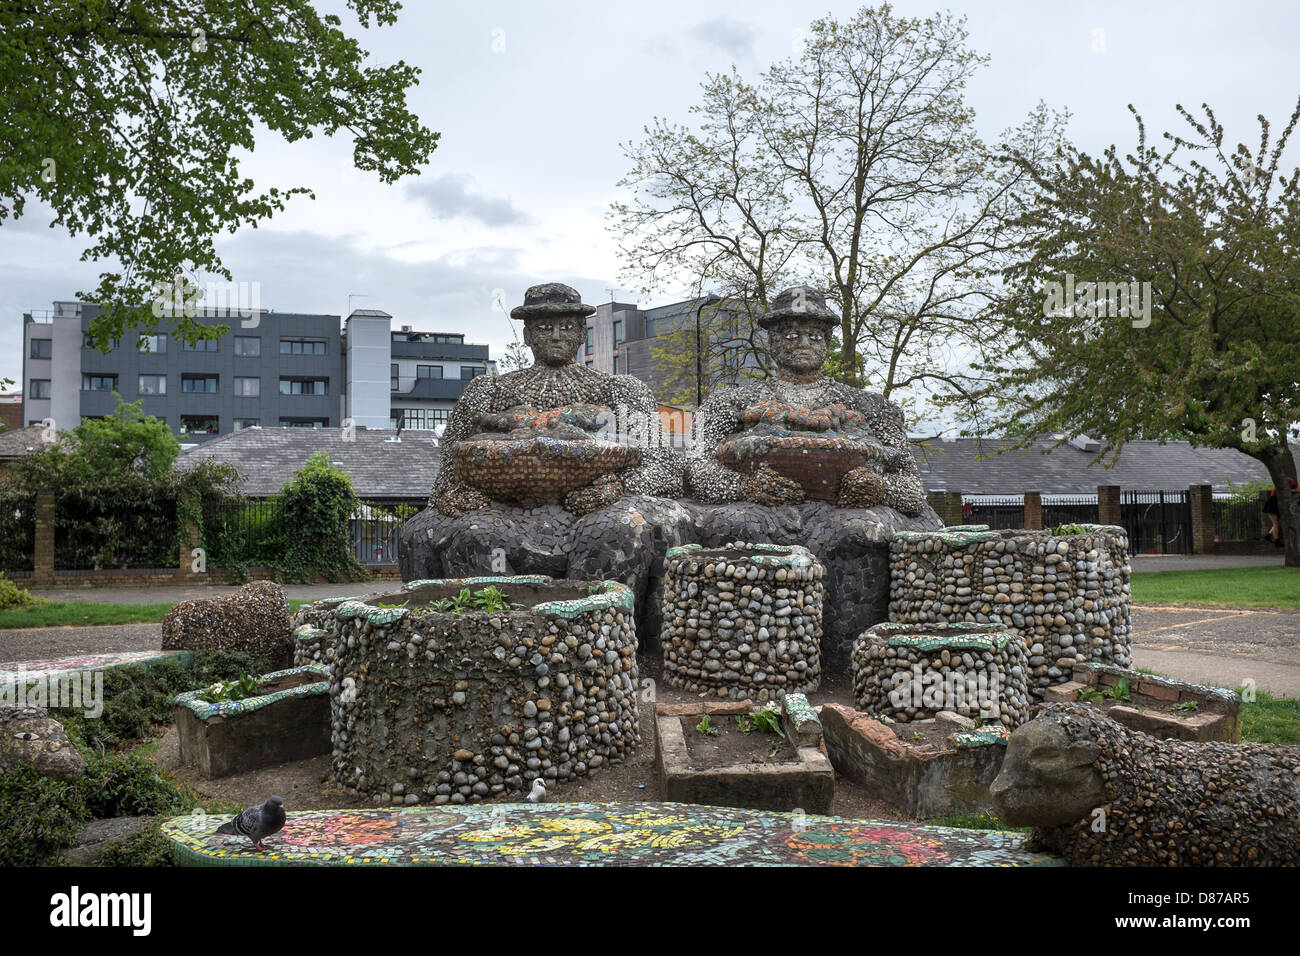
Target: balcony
point(409, 386)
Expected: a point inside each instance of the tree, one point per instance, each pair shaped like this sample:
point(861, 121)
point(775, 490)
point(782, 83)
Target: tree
point(854, 167)
point(125, 118)
point(1159, 298)
point(125, 442)
point(728, 349)
point(516, 356)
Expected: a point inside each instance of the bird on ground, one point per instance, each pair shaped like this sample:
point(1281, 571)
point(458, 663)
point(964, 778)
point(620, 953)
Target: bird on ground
point(257, 823)
point(538, 793)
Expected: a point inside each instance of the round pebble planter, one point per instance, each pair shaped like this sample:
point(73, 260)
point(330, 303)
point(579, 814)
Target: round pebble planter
point(743, 621)
point(1067, 596)
point(912, 672)
point(442, 707)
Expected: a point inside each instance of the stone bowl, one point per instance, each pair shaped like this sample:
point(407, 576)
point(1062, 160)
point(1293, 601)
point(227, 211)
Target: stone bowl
point(817, 462)
point(537, 471)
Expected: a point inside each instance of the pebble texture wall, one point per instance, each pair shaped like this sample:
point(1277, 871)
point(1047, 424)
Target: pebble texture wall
point(742, 621)
point(442, 707)
point(911, 671)
point(1066, 596)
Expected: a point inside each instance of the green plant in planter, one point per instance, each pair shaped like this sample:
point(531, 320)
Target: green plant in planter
point(243, 687)
point(1069, 529)
point(1120, 691)
point(705, 726)
point(765, 721)
point(1091, 696)
point(1185, 707)
point(487, 599)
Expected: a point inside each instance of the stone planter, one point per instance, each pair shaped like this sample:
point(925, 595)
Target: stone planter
point(912, 671)
point(287, 724)
point(537, 471)
point(443, 707)
point(1160, 706)
point(805, 781)
point(918, 778)
point(1066, 596)
point(312, 645)
point(742, 621)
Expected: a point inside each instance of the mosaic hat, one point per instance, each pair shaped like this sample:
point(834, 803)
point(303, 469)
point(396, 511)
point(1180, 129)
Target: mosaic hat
point(551, 299)
point(798, 302)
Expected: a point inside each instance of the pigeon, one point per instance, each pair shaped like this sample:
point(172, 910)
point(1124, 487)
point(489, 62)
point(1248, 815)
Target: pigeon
point(538, 793)
point(257, 823)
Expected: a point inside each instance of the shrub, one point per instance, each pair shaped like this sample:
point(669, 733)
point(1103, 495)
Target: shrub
point(127, 785)
point(317, 505)
point(146, 848)
point(38, 817)
point(12, 596)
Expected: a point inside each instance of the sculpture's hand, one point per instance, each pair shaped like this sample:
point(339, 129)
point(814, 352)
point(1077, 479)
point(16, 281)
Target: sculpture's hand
point(862, 488)
point(460, 499)
point(603, 491)
point(766, 486)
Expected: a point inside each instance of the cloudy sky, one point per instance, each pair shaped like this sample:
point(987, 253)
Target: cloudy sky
point(533, 100)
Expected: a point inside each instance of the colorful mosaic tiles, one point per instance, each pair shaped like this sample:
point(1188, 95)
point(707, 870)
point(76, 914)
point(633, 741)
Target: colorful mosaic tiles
point(13, 671)
point(194, 700)
point(589, 834)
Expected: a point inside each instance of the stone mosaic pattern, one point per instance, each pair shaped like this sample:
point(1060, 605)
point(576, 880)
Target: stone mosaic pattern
point(1066, 596)
point(254, 619)
point(742, 627)
point(194, 700)
point(430, 707)
point(537, 471)
point(311, 645)
point(11, 672)
point(917, 672)
point(591, 834)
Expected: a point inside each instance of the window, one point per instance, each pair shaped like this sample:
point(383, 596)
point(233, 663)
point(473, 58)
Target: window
point(304, 422)
point(591, 340)
point(152, 343)
point(470, 371)
point(88, 343)
point(42, 348)
point(199, 424)
point(40, 387)
point(392, 377)
point(152, 385)
point(248, 345)
point(99, 383)
point(618, 332)
point(420, 419)
point(303, 386)
point(202, 345)
point(241, 423)
point(615, 363)
point(302, 347)
point(206, 384)
point(428, 371)
point(248, 387)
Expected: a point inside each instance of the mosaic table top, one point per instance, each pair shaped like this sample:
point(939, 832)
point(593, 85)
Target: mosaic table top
point(13, 671)
point(593, 834)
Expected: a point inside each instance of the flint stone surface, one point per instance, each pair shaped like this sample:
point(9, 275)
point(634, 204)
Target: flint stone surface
point(29, 735)
point(611, 544)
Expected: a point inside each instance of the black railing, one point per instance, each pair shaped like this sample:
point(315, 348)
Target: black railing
point(1238, 520)
point(17, 533)
point(1157, 522)
point(998, 513)
point(1070, 509)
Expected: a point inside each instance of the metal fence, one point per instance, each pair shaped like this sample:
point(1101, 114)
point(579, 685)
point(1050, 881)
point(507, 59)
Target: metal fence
point(17, 533)
point(95, 532)
point(997, 512)
point(253, 532)
point(1157, 522)
point(1070, 509)
point(1237, 520)
point(376, 528)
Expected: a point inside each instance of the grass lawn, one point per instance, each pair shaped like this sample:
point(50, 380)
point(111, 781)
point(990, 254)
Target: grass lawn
point(82, 613)
point(1229, 587)
point(1271, 720)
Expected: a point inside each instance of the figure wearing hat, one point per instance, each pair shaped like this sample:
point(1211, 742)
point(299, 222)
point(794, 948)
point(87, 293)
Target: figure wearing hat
point(554, 318)
point(798, 328)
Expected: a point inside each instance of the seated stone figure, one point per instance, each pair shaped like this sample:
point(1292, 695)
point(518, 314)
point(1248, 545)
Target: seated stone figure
point(803, 459)
point(528, 481)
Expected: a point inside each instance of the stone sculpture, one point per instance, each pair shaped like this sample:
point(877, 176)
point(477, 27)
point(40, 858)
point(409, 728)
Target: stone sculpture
point(1099, 793)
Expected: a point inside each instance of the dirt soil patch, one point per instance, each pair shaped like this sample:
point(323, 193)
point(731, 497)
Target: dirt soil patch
point(925, 733)
point(729, 746)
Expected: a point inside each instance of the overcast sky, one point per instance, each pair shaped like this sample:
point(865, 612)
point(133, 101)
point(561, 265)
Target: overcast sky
point(518, 189)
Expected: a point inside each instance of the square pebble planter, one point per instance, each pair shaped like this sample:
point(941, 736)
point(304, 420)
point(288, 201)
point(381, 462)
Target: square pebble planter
point(1160, 706)
point(913, 672)
point(743, 621)
point(290, 721)
point(799, 779)
point(453, 707)
point(1067, 596)
point(921, 770)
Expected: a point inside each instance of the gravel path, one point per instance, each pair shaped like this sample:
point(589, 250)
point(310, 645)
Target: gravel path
point(43, 643)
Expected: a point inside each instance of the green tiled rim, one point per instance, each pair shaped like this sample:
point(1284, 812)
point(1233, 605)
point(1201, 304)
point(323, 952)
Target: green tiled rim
point(615, 595)
point(762, 555)
point(203, 710)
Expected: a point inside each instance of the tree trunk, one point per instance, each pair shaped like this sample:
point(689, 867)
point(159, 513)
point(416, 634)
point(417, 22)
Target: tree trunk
point(1281, 466)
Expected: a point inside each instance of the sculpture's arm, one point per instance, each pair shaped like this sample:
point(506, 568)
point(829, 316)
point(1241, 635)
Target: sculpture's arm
point(660, 470)
point(707, 479)
point(461, 423)
point(905, 490)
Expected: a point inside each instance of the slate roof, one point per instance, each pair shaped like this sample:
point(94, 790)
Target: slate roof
point(268, 457)
point(989, 467)
point(21, 442)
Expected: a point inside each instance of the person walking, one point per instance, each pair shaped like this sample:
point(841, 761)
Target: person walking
point(1271, 510)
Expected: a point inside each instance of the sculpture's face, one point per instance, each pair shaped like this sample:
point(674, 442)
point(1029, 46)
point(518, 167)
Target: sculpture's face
point(1048, 779)
point(555, 339)
point(799, 346)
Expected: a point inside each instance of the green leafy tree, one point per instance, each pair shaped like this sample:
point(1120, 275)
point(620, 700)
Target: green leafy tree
point(124, 442)
point(1212, 356)
point(128, 117)
point(316, 506)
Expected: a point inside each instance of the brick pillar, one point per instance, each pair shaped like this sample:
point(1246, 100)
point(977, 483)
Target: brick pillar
point(43, 557)
point(1108, 508)
point(1033, 511)
point(1202, 501)
point(948, 506)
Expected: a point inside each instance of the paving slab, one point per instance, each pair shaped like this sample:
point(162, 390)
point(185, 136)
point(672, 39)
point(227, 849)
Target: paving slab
point(593, 834)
